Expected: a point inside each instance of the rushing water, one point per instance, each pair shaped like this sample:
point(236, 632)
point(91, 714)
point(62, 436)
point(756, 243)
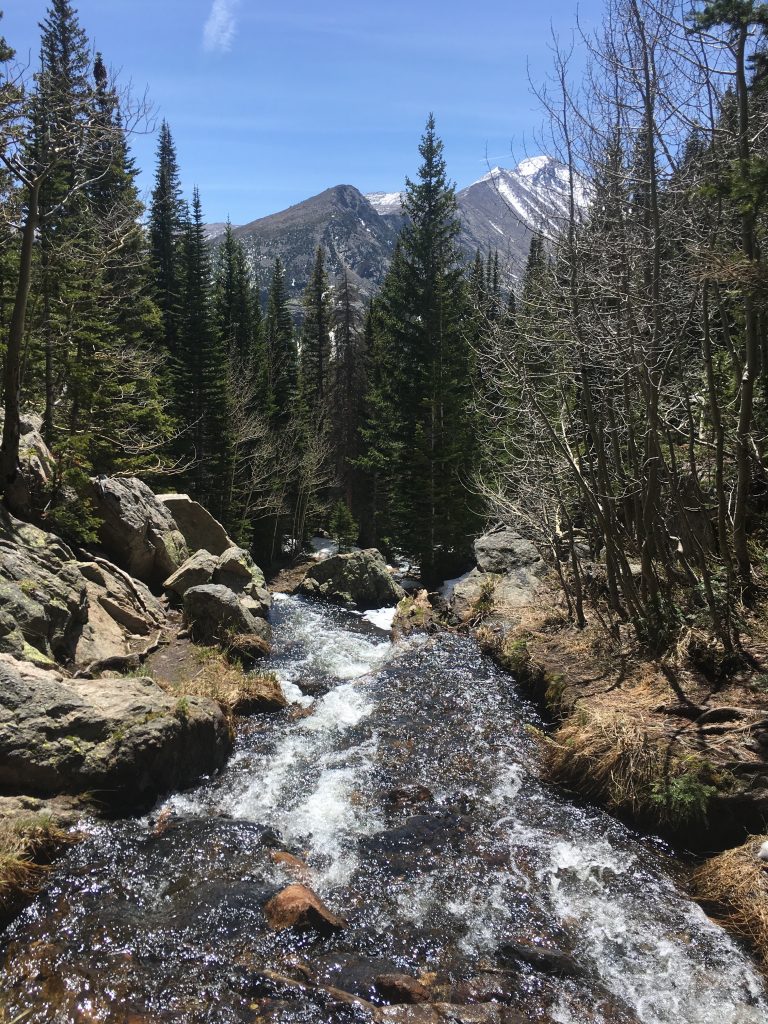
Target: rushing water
point(409, 786)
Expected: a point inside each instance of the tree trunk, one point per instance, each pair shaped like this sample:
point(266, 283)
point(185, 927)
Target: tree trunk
point(9, 450)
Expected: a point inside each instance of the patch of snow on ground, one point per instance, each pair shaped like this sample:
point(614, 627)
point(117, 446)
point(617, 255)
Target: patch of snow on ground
point(382, 618)
point(323, 547)
point(446, 591)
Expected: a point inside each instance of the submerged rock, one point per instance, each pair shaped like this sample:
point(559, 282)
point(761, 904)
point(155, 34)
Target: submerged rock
point(122, 738)
point(359, 578)
point(401, 988)
point(541, 958)
point(200, 529)
point(449, 1013)
point(137, 530)
point(297, 906)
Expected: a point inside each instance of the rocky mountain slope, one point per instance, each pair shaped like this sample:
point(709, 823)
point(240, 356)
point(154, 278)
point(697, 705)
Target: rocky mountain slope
point(498, 213)
point(341, 220)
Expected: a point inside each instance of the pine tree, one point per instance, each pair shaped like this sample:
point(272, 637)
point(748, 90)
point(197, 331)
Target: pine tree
point(61, 112)
point(315, 353)
point(423, 377)
point(238, 312)
point(280, 371)
point(166, 234)
point(202, 370)
point(349, 382)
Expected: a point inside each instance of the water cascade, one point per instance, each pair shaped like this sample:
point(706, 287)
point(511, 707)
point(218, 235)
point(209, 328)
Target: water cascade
point(406, 779)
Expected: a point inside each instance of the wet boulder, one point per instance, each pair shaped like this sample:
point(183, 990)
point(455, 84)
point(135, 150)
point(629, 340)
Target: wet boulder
point(401, 988)
point(43, 596)
point(124, 739)
point(359, 578)
point(297, 906)
point(450, 1013)
point(214, 613)
point(201, 531)
point(546, 959)
point(137, 531)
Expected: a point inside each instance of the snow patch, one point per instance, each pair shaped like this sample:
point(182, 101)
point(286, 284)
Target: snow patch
point(533, 165)
point(382, 618)
point(446, 591)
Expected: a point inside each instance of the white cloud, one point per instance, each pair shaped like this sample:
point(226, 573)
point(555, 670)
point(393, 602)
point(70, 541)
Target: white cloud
point(219, 29)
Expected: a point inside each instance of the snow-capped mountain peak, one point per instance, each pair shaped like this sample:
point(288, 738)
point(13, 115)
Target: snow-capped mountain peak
point(386, 203)
point(533, 165)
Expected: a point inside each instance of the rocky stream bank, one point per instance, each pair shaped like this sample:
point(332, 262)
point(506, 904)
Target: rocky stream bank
point(385, 844)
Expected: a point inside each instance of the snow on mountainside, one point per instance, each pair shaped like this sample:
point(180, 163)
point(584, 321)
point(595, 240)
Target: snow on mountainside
point(498, 213)
point(504, 208)
point(385, 202)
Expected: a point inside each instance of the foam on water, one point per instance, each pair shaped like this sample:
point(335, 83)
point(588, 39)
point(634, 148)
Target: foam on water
point(654, 949)
point(490, 855)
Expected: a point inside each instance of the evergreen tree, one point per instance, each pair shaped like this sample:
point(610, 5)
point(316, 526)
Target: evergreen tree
point(423, 379)
point(237, 309)
point(166, 234)
point(350, 372)
point(202, 370)
point(315, 354)
point(279, 371)
point(61, 112)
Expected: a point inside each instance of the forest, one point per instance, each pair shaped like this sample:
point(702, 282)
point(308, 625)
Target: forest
point(612, 407)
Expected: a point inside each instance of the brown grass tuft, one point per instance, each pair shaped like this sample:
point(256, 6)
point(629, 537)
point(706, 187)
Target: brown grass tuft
point(26, 846)
point(614, 758)
point(736, 884)
point(237, 691)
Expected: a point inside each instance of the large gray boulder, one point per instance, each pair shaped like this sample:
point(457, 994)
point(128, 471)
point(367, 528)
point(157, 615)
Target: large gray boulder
point(123, 739)
point(201, 531)
point(30, 490)
point(359, 578)
point(137, 531)
point(195, 572)
point(124, 617)
point(504, 551)
point(214, 614)
point(43, 596)
point(234, 569)
point(508, 578)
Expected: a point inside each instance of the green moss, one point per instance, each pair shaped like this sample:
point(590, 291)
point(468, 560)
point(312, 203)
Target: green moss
point(182, 709)
point(555, 692)
point(683, 797)
point(485, 603)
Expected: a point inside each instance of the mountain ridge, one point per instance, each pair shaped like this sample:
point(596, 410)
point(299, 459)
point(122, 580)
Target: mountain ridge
point(498, 212)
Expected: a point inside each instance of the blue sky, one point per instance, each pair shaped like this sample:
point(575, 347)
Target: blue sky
point(271, 102)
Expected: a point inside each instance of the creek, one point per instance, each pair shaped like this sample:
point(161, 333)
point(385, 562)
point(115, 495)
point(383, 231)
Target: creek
point(410, 785)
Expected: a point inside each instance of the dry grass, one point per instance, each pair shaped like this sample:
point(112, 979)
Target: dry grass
point(26, 846)
point(736, 884)
point(237, 691)
point(615, 758)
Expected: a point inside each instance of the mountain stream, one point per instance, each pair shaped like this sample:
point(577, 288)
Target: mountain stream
point(408, 783)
